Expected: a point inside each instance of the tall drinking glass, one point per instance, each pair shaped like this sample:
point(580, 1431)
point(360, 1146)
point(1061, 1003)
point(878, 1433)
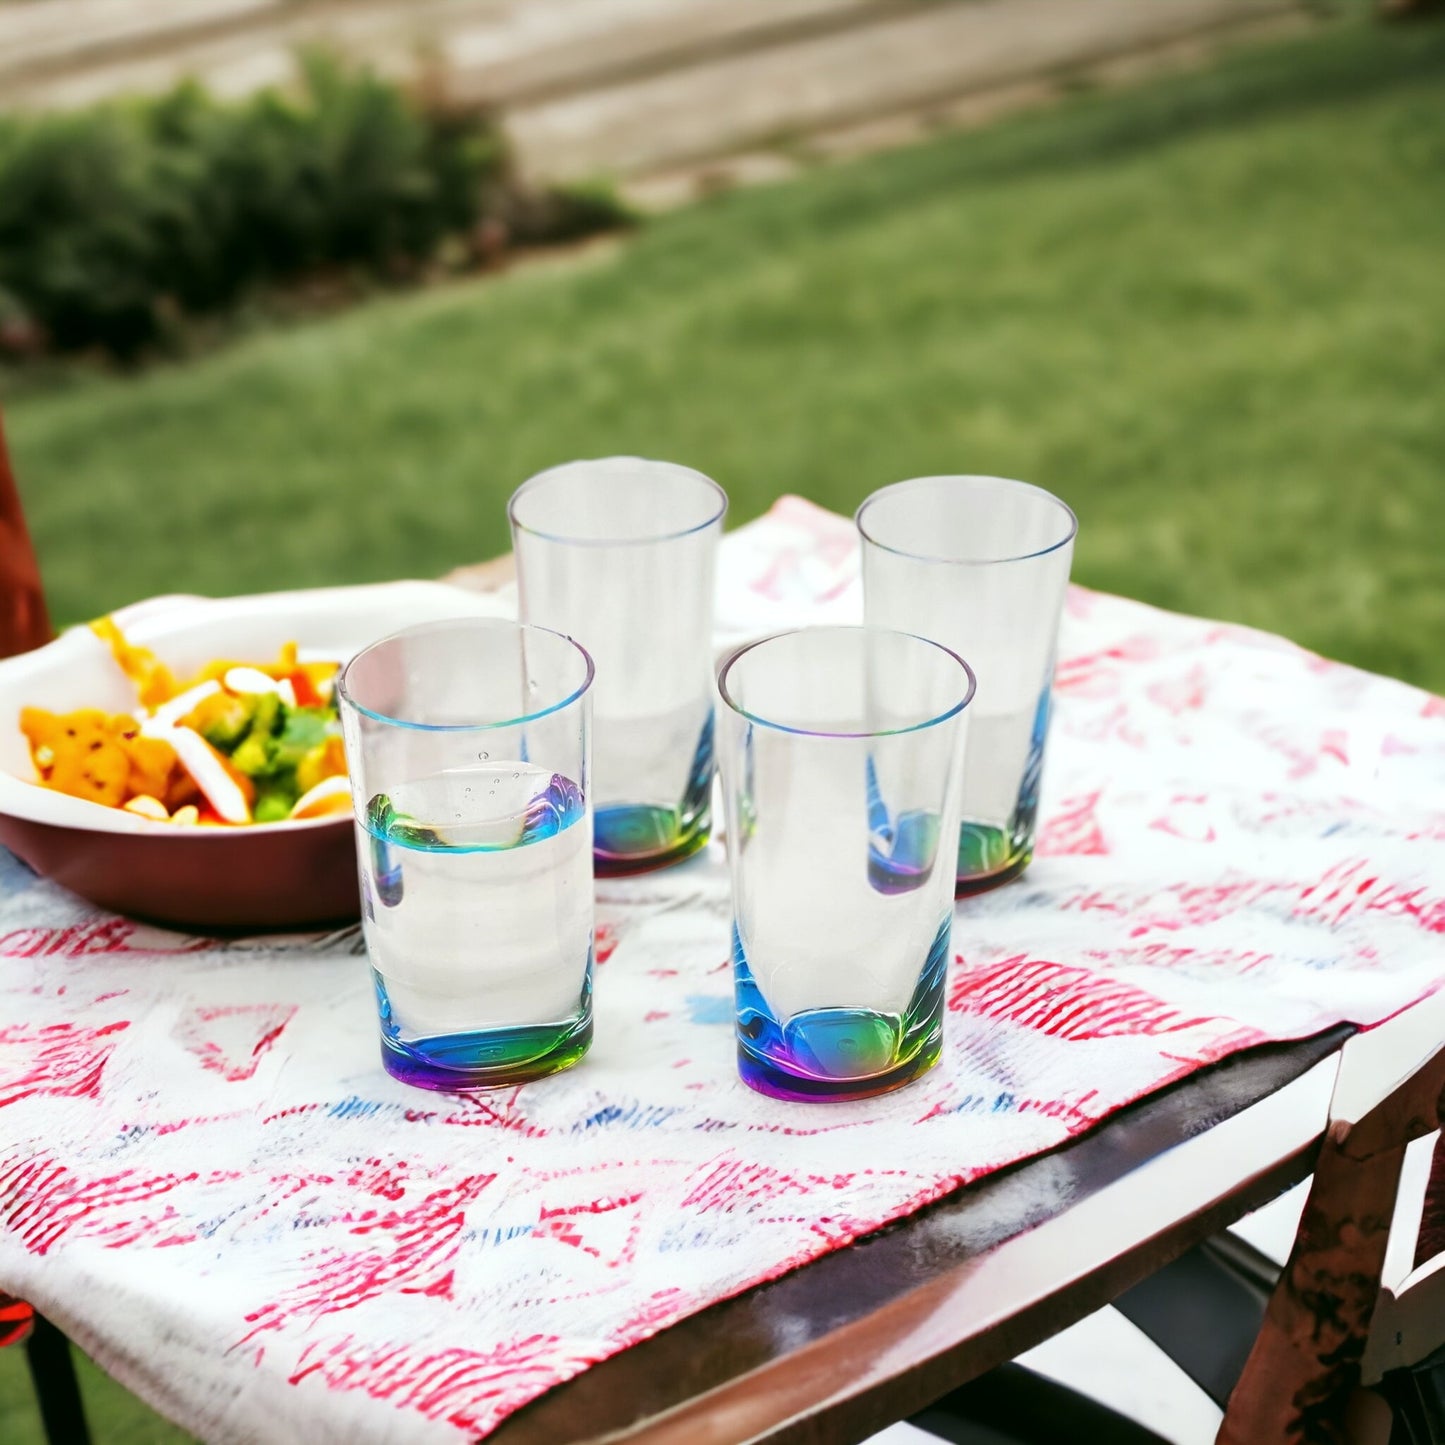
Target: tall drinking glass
point(842, 754)
point(981, 564)
point(467, 745)
point(620, 554)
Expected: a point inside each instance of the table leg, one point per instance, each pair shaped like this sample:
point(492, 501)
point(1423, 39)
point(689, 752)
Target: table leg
point(56, 1388)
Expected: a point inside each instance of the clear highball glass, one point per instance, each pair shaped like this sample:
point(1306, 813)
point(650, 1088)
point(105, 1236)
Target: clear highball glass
point(842, 753)
point(980, 564)
point(467, 745)
point(621, 554)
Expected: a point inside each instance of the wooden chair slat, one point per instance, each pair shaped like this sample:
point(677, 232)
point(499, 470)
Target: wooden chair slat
point(1301, 1383)
point(24, 622)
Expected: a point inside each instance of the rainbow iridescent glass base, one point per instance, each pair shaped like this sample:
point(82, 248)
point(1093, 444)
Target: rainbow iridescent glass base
point(839, 1053)
point(638, 837)
point(484, 1058)
point(988, 854)
point(988, 857)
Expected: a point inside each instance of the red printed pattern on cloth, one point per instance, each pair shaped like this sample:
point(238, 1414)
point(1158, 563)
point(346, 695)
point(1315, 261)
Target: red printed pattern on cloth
point(1238, 842)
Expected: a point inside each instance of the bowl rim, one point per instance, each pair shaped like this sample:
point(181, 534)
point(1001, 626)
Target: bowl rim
point(154, 619)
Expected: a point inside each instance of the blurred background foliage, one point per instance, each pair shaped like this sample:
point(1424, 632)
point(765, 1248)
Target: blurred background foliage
point(122, 221)
point(1209, 311)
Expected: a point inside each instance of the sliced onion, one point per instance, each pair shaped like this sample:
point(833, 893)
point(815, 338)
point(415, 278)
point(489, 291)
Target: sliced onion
point(208, 771)
point(145, 806)
point(169, 713)
point(251, 680)
point(330, 795)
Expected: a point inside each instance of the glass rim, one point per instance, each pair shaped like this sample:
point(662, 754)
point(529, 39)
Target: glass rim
point(737, 654)
point(539, 479)
point(872, 497)
point(458, 624)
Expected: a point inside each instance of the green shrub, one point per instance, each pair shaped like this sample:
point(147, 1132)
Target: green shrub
point(120, 220)
point(78, 222)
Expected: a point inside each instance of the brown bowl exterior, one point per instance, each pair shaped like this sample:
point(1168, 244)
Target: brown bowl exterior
point(251, 879)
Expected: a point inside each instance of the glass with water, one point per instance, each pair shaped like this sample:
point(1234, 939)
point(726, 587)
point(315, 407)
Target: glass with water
point(467, 744)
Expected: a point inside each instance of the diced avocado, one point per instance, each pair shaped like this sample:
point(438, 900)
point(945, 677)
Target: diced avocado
point(273, 804)
point(279, 739)
point(271, 809)
point(267, 714)
point(225, 720)
point(253, 757)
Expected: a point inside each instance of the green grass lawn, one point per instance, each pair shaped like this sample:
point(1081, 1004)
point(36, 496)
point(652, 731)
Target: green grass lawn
point(1209, 313)
point(115, 1417)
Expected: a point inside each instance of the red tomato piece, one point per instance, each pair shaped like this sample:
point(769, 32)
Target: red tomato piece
point(304, 688)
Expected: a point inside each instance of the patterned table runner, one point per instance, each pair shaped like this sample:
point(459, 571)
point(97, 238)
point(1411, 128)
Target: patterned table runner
point(209, 1182)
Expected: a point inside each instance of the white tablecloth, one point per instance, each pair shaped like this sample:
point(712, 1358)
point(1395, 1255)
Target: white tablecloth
point(207, 1179)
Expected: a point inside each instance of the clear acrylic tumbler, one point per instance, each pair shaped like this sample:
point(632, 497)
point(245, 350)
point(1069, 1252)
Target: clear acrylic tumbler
point(620, 554)
point(980, 564)
point(842, 753)
point(467, 745)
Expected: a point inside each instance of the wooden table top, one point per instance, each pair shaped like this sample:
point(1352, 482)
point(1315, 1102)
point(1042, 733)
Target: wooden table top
point(871, 1333)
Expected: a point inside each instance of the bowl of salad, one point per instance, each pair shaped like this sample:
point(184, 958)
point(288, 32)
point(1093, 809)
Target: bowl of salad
point(182, 761)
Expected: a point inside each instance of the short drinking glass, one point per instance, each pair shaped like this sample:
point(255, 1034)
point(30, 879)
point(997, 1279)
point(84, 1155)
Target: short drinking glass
point(620, 554)
point(842, 754)
point(980, 564)
point(467, 745)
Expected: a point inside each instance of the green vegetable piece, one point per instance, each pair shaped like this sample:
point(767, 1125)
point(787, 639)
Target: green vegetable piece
point(280, 737)
point(302, 729)
point(253, 757)
point(266, 715)
point(272, 807)
point(229, 722)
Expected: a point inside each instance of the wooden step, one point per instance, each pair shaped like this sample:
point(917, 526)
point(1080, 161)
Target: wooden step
point(879, 67)
point(497, 52)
